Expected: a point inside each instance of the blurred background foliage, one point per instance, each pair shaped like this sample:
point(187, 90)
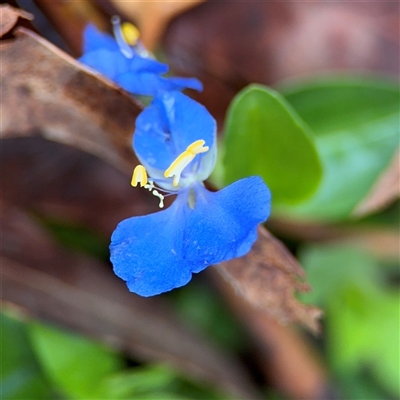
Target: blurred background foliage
point(325, 143)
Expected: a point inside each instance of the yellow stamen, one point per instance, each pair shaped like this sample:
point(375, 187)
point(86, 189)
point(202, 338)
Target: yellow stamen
point(184, 159)
point(130, 33)
point(197, 147)
point(139, 176)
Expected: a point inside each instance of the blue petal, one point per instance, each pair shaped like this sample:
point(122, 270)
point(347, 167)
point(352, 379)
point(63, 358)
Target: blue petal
point(141, 83)
point(146, 251)
point(147, 83)
point(141, 64)
point(223, 225)
point(93, 39)
point(171, 123)
point(179, 83)
point(109, 63)
point(159, 252)
point(151, 140)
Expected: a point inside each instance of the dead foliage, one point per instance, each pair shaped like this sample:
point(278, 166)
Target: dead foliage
point(385, 191)
point(153, 17)
point(9, 16)
point(230, 46)
point(81, 293)
point(46, 91)
point(268, 277)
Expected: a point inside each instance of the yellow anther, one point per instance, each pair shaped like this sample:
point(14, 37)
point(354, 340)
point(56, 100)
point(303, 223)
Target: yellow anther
point(139, 176)
point(130, 33)
point(197, 147)
point(184, 159)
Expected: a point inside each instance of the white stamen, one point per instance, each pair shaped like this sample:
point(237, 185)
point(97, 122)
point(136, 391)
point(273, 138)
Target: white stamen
point(119, 37)
point(149, 186)
point(160, 196)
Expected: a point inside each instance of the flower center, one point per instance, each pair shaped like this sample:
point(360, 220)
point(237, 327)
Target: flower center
point(174, 170)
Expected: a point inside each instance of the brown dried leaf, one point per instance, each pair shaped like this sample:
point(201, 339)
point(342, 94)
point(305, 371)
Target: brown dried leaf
point(69, 19)
point(9, 17)
point(84, 295)
point(381, 241)
point(267, 277)
point(229, 47)
point(385, 190)
point(286, 359)
point(47, 92)
point(153, 17)
point(64, 184)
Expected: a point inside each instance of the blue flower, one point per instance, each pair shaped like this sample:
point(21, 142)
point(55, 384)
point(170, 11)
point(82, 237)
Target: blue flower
point(175, 140)
point(130, 66)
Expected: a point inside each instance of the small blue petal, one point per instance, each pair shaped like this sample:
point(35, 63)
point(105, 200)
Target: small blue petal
point(159, 252)
point(93, 39)
point(147, 83)
point(223, 225)
point(168, 126)
point(141, 64)
point(109, 63)
point(144, 83)
point(179, 83)
point(146, 252)
point(101, 52)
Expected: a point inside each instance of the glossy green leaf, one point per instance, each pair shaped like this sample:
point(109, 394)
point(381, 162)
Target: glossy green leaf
point(356, 127)
point(264, 136)
point(20, 373)
point(74, 364)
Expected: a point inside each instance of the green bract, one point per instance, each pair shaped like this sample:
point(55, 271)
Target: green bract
point(265, 136)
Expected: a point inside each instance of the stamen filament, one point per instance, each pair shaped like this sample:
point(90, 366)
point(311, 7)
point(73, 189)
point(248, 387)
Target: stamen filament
point(120, 38)
point(160, 196)
point(140, 176)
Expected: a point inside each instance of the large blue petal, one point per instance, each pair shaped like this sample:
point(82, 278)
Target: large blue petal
point(146, 251)
point(159, 252)
point(168, 125)
point(223, 225)
point(93, 39)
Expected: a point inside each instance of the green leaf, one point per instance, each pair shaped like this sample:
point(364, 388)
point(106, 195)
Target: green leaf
point(356, 127)
point(362, 312)
point(264, 136)
point(155, 382)
point(74, 364)
point(20, 373)
point(139, 381)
